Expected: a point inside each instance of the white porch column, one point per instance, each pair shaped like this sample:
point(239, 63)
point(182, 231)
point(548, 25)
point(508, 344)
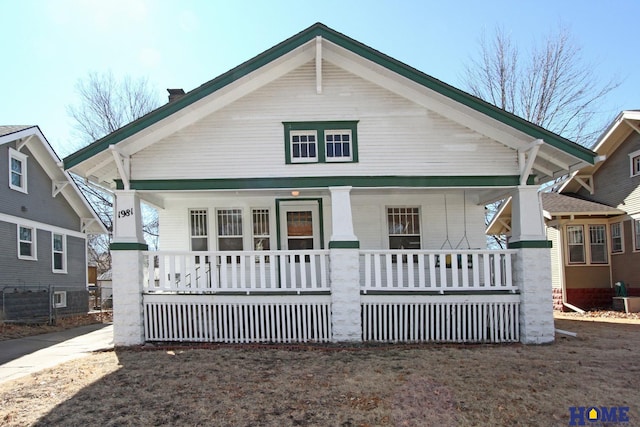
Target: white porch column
point(344, 261)
point(127, 263)
point(532, 267)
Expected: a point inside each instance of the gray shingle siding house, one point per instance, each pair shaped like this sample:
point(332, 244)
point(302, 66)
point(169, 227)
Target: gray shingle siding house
point(44, 222)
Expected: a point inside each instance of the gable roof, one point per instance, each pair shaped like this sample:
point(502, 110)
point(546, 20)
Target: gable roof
point(35, 141)
point(556, 157)
point(616, 133)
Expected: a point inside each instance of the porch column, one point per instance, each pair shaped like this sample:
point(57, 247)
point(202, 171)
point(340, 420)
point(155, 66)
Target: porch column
point(532, 266)
point(344, 261)
point(127, 261)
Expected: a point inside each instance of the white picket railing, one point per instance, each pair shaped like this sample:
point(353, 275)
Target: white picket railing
point(233, 271)
point(440, 271)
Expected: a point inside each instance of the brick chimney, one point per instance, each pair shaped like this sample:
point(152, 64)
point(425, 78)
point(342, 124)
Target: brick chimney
point(175, 94)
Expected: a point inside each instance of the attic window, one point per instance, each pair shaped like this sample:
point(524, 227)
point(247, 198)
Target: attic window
point(17, 171)
point(321, 142)
point(635, 163)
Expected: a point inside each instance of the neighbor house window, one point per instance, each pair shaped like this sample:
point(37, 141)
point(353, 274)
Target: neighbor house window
point(26, 242)
point(60, 299)
point(198, 230)
point(616, 238)
point(59, 249)
point(636, 235)
point(634, 159)
point(230, 229)
point(17, 171)
point(261, 234)
point(404, 227)
point(575, 242)
point(321, 142)
point(598, 244)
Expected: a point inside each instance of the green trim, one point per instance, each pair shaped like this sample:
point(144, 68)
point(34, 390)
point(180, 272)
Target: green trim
point(324, 181)
point(344, 244)
point(531, 244)
point(320, 127)
point(355, 47)
point(128, 246)
point(300, 199)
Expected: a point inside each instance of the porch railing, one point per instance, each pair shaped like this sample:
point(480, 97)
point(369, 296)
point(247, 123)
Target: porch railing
point(237, 271)
point(436, 270)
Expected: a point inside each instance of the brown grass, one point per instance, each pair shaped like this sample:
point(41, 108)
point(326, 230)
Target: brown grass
point(10, 330)
point(401, 385)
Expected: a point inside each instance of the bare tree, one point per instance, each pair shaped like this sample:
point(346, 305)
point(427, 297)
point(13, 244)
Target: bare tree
point(551, 85)
point(105, 105)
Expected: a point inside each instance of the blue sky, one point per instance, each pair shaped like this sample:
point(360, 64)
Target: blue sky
point(48, 45)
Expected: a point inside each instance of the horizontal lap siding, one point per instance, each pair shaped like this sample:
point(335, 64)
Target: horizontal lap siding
point(395, 136)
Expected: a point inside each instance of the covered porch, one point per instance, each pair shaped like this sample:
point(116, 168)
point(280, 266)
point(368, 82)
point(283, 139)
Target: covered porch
point(344, 271)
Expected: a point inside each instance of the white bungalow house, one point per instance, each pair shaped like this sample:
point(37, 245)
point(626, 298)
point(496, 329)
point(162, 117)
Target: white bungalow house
point(323, 191)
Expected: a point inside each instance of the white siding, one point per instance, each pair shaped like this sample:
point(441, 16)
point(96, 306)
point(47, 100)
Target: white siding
point(369, 218)
point(553, 234)
point(395, 136)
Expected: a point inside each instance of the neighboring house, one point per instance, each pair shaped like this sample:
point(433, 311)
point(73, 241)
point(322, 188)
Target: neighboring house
point(44, 221)
point(593, 220)
point(323, 191)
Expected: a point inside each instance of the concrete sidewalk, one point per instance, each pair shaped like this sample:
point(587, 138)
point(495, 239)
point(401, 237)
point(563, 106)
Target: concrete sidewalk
point(23, 356)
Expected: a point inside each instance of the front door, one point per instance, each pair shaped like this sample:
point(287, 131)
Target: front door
point(300, 226)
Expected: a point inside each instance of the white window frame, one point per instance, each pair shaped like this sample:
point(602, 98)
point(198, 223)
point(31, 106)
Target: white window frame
point(32, 242)
point(634, 163)
point(22, 158)
point(341, 158)
point(620, 226)
point(63, 253)
point(201, 232)
point(636, 234)
point(605, 252)
point(307, 133)
point(59, 299)
point(402, 211)
point(583, 244)
point(232, 230)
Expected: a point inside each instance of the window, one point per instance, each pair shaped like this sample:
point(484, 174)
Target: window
point(59, 246)
point(404, 227)
point(198, 230)
point(17, 171)
point(26, 242)
point(321, 142)
point(575, 241)
point(634, 166)
point(304, 147)
point(338, 145)
point(636, 232)
point(598, 244)
point(230, 229)
point(60, 299)
point(261, 235)
point(616, 238)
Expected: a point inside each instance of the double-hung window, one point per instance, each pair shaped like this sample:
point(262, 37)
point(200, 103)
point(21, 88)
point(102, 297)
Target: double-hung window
point(26, 242)
point(230, 229)
point(617, 245)
point(598, 244)
point(59, 252)
point(321, 142)
point(575, 242)
point(404, 227)
point(17, 171)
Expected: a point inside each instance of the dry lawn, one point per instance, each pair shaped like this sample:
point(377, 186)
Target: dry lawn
point(423, 385)
point(10, 331)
